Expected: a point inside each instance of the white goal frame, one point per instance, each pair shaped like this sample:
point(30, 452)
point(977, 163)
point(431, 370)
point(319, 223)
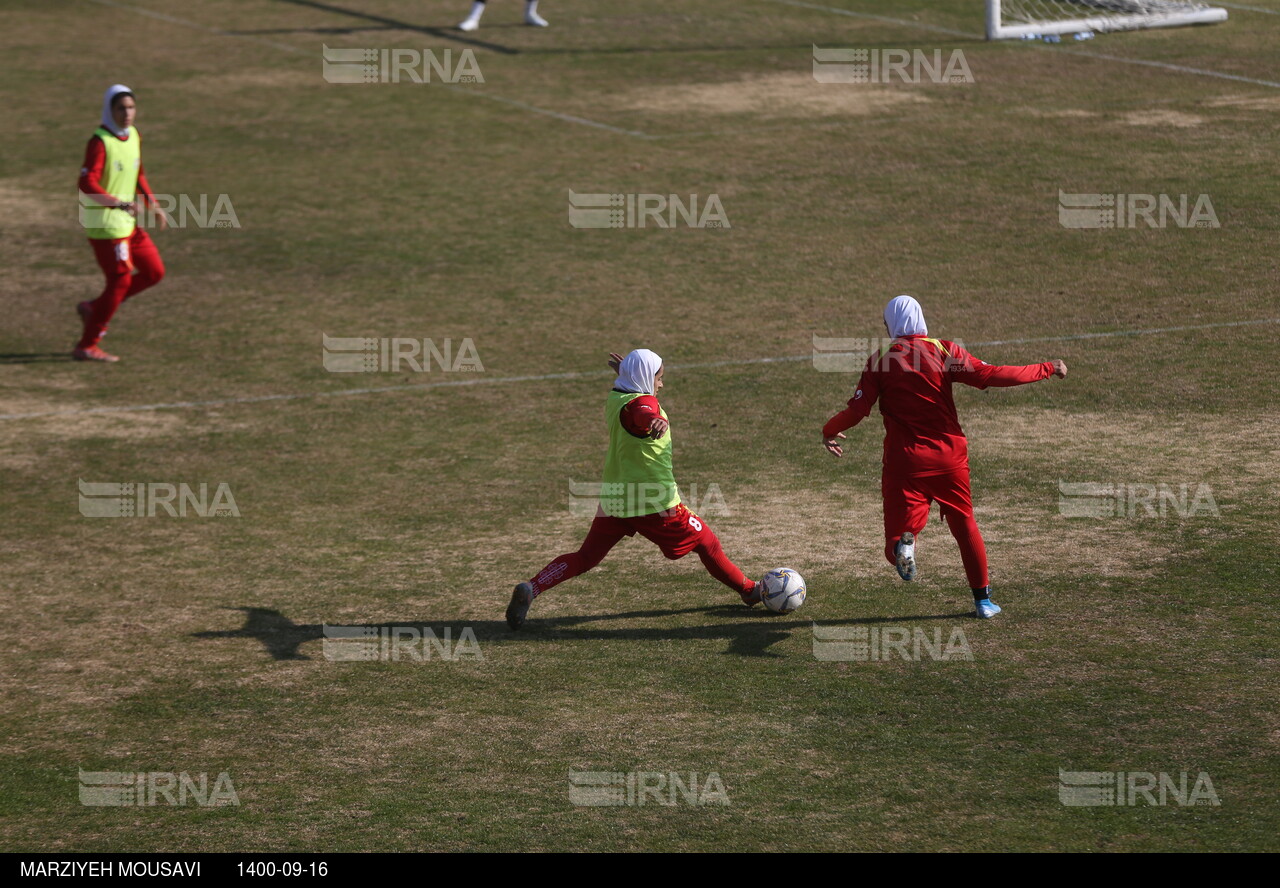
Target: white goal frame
point(1099, 23)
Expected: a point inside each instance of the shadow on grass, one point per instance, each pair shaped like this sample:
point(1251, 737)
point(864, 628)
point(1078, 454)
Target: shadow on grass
point(395, 24)
point(750, 633)
point(34, 357)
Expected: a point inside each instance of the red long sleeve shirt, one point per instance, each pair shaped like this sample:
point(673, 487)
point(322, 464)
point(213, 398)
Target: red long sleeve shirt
point(95, 158)
point(912, 382)
point(638, 414)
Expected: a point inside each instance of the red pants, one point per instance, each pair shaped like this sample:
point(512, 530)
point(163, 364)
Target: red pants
point(676, 531)
point(131, 264)
point(906, 509)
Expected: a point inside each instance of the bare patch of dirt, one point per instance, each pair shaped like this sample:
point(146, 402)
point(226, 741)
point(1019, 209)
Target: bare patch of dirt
point(1179, 119)
point(1247, 103)
point(19, 202)
point(769, 95)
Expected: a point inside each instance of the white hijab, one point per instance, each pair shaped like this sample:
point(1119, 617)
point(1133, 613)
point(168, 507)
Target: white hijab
point(108, 122)
point(637, 371)
point(904, 317)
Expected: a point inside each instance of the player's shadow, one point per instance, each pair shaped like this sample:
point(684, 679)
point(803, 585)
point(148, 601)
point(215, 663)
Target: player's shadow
point(750, 633)
point(395, 24)
point(33, 357)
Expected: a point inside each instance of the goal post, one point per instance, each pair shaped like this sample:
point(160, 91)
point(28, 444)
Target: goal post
point(1008, 19)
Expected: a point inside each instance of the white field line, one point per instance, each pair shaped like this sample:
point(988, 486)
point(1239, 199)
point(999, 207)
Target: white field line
point(185, 23)
point(1182, 69)
point(583, 374)
point(1249, 8)
point(878, 18)
point(473, 91)
point(524, 106)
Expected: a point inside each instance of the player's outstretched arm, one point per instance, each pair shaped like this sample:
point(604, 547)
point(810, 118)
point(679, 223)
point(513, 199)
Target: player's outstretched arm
point(964, 368)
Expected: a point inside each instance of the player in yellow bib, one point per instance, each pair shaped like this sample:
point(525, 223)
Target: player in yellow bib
point(638, 493)
point(113, 186)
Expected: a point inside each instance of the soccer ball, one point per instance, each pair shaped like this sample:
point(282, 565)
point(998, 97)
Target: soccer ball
point(783, 591)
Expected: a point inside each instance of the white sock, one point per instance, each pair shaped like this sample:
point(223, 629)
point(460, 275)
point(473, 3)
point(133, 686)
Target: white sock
point(477, 10)
point(531, 7)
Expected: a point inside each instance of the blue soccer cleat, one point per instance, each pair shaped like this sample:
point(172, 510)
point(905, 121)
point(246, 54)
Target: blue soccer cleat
point(986, 609)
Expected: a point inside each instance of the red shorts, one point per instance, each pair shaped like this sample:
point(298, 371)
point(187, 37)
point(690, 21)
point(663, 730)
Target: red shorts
point(116, 257)
point(906, 500)
point(676, 531)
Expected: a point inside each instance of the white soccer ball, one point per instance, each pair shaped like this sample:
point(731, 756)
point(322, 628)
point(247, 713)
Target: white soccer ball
point(784, 590)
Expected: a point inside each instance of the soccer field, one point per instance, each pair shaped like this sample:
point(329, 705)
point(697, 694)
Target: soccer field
point(1129, 510)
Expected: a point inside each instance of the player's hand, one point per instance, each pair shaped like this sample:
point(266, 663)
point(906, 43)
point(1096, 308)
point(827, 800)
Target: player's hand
point(833, 444)
point(1059, 368)
point(615, 362)
point(129, 207)
point(658, 428)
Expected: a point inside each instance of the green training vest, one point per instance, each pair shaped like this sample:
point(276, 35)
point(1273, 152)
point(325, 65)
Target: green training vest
point(638, 478)
point(120, 180)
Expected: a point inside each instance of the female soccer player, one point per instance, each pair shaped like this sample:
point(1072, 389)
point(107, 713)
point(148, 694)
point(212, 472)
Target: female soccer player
point(531, 17)
point(926, 455)
point(111, 181)
point(638, 494)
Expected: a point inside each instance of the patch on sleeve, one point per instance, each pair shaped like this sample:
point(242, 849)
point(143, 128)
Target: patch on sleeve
point(857, 394)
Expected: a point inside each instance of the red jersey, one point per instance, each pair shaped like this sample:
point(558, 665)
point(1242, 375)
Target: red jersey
point(912, 382)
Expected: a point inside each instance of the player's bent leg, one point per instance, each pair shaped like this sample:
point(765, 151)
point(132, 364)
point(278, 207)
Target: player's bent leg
point(719, 566)
point(531, 16)
point(604, 535)
point(906, 512)
point(114, 258)
point(149, 268)
point(472, 21)
point(973, 550)
point(957, 510)
point(96, 315)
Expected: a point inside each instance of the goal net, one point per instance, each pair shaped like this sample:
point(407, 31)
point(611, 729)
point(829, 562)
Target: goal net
point(1022, 18)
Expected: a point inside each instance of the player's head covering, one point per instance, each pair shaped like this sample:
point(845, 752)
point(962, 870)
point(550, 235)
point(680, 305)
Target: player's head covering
point(637, 370)
point(113, 92)
point(904, 317)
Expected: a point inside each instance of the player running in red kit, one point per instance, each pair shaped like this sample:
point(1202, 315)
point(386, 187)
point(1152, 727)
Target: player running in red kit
point(926, 455)
point(638, 494)
point(111, 181)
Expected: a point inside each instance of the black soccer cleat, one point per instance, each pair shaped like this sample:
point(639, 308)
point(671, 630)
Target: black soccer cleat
point(518, 609)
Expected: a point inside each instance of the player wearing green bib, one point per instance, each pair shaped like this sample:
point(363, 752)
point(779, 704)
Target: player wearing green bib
point(638, 493)
point(112, 188)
